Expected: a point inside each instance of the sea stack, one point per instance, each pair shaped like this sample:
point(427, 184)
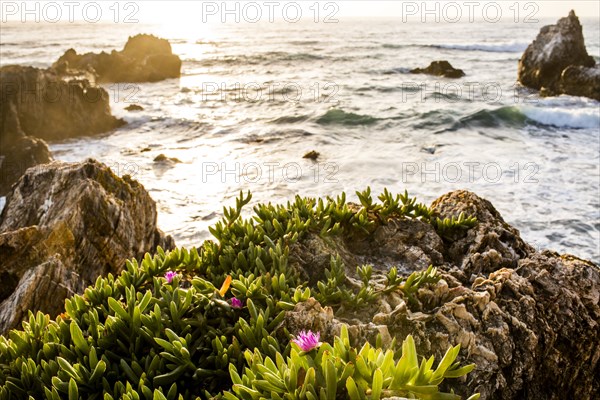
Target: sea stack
point(557, 61)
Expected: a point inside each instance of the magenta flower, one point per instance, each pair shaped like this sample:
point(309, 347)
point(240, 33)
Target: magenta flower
point(307, 340)
point(236, 303)
point(170, 275)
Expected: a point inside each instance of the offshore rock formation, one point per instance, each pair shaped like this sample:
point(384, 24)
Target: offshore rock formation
point(530, 321)
point(37, 104)
point(145, 58)
point(440, 68)
point(557, 61)
point(49, 108)
point(64, 225)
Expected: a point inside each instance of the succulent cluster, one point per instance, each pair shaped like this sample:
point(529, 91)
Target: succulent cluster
point(340, 371)
point(198, 323)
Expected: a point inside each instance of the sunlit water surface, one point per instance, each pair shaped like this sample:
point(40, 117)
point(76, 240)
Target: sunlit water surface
point(343, 90)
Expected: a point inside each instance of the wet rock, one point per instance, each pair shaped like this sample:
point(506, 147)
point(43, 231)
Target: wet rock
point(134, 107)
point(312, 155)
point(145, 58)
point(530, 321)
point(440, 68)
point(47, 107)
point(581, 81)
point(161, 158)
point(62, 226)
point(556, 48)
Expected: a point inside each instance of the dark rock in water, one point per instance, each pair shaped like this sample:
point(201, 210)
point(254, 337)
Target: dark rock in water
point(440, 68)
point(145, 58)
point(556, 48)
point(161, 158)
point(581, 81)
point(47, 107)
point(62, 226)
point(312, 155)
point(134, 107)
point(530, 321)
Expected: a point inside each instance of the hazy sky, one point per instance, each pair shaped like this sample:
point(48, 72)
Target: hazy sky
point(185, 11)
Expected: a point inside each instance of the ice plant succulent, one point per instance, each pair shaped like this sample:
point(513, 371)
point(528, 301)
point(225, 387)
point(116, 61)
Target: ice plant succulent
point(170, 275)
point(307, 340)
point(236, 303)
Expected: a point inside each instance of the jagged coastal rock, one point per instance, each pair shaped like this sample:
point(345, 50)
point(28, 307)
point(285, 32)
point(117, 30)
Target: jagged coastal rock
point(530, 321)
point(440, 68)
point(557, 61)
point(145, 58)
point(62, 226)
point(37, 104)
point(50, 108)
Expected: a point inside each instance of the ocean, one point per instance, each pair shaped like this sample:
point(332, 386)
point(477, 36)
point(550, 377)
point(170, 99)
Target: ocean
point(253, 99)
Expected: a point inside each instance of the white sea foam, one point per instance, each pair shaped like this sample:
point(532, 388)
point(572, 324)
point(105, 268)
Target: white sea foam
point(584, 118)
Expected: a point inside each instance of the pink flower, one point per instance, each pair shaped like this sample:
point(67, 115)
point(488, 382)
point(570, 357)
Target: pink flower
point(307, 340)
point(170, 275)
point(236, 303)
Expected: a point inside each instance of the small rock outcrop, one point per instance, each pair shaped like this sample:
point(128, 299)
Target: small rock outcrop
point(134, 107)
point(145, 58)
point(62, 226)
point(530, 321)
point(557, 61)
point(440, 68)
point(45, 106)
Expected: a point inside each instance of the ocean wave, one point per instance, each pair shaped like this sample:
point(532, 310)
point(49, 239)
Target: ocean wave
point(398, 70)
point(503, 116)
point(336, 116)
point(513, 47)
point(289, 119)
point(516, 117)
point(255, 59)
point(564, 118)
